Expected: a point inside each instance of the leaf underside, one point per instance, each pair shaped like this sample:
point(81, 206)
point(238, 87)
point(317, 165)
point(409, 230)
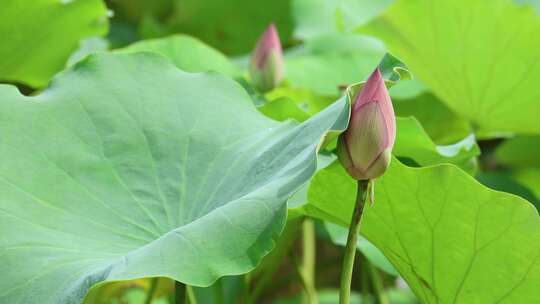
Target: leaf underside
point(127, 167)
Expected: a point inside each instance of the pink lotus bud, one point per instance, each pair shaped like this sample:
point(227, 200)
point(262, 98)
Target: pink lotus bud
point(266, 67)
point(364, 149)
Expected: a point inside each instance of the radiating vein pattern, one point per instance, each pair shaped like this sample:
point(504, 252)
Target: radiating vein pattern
point(126, 167)
point(459, 242)
point(452, 239)
point(477, 56)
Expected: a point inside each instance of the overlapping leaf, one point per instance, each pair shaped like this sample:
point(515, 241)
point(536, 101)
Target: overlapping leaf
point(128, 167)
point(187, 53)
point(415, 146)
point(521, 152)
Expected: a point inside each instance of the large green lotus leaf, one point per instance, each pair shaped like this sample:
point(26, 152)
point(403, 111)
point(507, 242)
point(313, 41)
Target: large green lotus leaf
point(452, 239)
point(187, 53)
point(521, 151)
point(38, 37)
point(477, 56)
point(314, 18)
point(127, 167)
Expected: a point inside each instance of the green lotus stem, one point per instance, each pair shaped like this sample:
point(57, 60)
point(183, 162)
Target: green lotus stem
point(219, 298)
point(247, 285)
point(308, 261)
point(350, 248)
point(364, 280)
point(191, 299)
point(299, 273)
point(180, 293)
point(377, 283)
point(151, 290)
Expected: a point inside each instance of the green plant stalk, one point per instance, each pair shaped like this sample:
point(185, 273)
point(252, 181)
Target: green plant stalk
point(179, 293)
point(364, 280)
point(272, 262)
point(151, 290)
point(377, 283)
point(191, 299)
point(299, 274)
point(219, 298)
point(308, 261)
point(247, 288)
point(350, 248)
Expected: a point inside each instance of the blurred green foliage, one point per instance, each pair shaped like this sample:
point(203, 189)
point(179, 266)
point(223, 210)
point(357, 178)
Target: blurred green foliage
point(474, 104)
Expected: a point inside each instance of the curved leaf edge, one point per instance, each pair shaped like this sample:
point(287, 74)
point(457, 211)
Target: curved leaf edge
point(81, 287)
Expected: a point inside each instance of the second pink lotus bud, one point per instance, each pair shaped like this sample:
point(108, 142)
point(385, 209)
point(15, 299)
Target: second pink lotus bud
point(365, 148)
point(266, 66)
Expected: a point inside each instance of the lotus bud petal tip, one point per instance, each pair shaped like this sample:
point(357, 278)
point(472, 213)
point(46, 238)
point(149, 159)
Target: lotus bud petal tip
point(266, 66)
point(365, 148)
